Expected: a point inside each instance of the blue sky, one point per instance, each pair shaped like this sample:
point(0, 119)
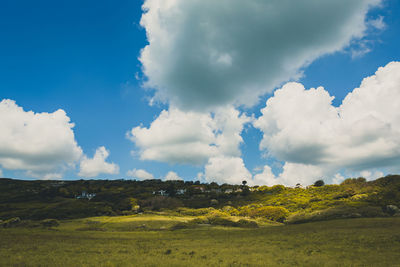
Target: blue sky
point(84, 57)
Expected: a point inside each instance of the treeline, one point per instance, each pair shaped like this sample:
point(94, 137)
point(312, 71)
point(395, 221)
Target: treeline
point(82, 198)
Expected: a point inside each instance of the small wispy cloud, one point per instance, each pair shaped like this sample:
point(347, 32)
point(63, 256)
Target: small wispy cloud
point(378, 23)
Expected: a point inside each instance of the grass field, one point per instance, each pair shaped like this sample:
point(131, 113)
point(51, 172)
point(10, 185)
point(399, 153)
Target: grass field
point(133, 241)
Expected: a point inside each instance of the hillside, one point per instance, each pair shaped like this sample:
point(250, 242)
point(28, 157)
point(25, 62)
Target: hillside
point(38, 200)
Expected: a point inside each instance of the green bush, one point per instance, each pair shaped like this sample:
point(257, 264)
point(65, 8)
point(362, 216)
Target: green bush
point(221, 221)
point(230, 210)
point(336, 213)
point(11, 222)
point(350, 181)
point(272, 213)
point(347, 194)
point(195, 212)
point(181, 225)
point(50, 223)
point(319, 183)
point(200, 220)
point(277, 188)
point(246, 223)
point(160, 202)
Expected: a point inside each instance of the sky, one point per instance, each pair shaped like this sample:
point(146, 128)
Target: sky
point(271, 92)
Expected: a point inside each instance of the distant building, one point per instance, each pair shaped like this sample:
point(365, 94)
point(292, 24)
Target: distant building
point(201, 188)
point(216, 190)
point(299, 186)
point(57, 183)
point(180, 191)
point(161, 193)
point(86, 195)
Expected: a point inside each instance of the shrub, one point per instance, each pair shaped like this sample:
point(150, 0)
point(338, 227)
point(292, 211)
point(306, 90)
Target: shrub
point(277, 188)
point(195, 212)
point(272, 213)
point(230, 210)
point(159, 202)
point(315, 199)
point(181, 225)
point(50, 223)
point(349, 181)
point(263, 188)
point(11, 222)
point(359, 197)
point(218, 213)
point(346, 194)
point(319, 183)
point(336, 213)
point(246, 223)
point(214, 202)
point(220, 221)
point(200, 220)
point(391, 210)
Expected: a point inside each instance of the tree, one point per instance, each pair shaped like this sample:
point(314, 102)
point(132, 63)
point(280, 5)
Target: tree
point(319, 183)
point(171, 189)
point(245, 188)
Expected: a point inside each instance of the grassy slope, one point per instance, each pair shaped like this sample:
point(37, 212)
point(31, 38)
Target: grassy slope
point(352, 242)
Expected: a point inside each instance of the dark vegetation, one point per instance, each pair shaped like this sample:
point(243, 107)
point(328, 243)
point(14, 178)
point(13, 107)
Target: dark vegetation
point(42, 200)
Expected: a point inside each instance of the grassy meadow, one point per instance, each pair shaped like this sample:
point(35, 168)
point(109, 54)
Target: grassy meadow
point(148, 240)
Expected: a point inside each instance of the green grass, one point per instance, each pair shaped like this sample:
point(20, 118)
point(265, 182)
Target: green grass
point(116, 241)
point(155, 222)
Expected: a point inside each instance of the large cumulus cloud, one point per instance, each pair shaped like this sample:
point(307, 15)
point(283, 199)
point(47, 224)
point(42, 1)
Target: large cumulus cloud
point(42, 144)
point(180, 137)
point(303, 128)
point(204, 53)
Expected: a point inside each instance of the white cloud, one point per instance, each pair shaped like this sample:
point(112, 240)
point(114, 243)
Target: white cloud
point(378, 23)
point(303, 127)
point(140, 174)
point(190, 137)
point(51, 176)
point(92, 167)
point(292, 174)
point(362, 48)
point(338, 179)
point(172, 176)
point(42, 144)
point(226, 170)
point(207, 53)
point(200, 177)
point(1, 173)
point(371, 175)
